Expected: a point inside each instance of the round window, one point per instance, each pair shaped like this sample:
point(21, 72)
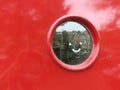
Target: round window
point(72, 42)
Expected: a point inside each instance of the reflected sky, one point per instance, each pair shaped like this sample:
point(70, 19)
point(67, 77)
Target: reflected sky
point(99, 12)
point(113, 71)
point(70, 26)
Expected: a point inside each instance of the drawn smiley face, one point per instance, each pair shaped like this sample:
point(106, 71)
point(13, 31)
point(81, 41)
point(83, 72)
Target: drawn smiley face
point(72, 42)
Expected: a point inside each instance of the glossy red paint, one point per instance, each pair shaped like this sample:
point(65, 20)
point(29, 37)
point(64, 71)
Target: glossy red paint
point(25, 60)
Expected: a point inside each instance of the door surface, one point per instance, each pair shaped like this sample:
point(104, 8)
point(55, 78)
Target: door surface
point(27, 61)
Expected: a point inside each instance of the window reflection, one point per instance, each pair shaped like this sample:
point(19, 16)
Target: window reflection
point(72, 43)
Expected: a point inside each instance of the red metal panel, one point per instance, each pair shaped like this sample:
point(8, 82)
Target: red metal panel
point(25, 60)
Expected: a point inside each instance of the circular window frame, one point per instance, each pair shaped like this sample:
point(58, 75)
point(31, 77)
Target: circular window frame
point(94, 35)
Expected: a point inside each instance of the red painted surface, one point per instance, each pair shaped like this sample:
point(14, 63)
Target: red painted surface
point(25, 61)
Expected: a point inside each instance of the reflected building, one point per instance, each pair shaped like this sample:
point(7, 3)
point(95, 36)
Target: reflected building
point(74, 37)
point(72, 47)
point(72, 43)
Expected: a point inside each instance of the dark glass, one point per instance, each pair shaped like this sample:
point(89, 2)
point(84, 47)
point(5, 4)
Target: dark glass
point(72, 43)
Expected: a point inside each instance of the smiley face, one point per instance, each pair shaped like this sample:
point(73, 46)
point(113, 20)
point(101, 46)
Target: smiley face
point(72, 42)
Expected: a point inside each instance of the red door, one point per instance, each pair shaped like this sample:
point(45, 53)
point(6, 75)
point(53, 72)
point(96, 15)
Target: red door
point(30, 61)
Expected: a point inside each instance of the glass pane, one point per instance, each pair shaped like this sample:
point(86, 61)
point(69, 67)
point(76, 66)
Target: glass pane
point(72, 43)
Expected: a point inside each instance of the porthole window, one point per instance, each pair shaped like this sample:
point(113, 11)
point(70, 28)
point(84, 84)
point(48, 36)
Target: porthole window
point(72, 42)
